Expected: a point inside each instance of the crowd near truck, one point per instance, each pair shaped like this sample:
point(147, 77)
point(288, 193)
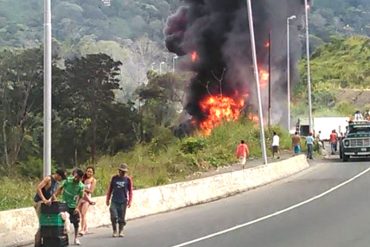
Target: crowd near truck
point(356, 141)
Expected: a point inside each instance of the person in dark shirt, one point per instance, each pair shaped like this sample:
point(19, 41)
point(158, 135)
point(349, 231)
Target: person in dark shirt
point(44, 193)
point(119, 197)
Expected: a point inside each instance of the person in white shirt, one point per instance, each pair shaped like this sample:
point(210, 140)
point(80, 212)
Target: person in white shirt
point(275, 145)
point(358, 116)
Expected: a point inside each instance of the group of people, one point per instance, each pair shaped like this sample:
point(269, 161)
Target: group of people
point(358, 116)
point(76, 190)
point(242, 149)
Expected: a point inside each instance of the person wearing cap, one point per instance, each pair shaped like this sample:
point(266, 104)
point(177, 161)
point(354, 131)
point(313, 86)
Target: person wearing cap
point(44, 194)
point(72, 190)
point(119, 197)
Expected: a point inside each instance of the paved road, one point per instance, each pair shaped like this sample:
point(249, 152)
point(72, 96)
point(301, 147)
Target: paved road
point(339, 218)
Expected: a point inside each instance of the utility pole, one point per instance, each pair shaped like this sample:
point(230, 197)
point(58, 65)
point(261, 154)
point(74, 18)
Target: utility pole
point(269, 88)
point(288, 66)
point(306, 7)
point(47, 88)
point(253, 46)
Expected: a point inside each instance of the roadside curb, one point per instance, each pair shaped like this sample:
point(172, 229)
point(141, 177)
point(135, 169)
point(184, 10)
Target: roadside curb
point(17, 227)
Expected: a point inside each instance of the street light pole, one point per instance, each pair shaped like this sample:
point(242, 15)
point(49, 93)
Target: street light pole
point(174, 63)
point(47, 88)
point(306, 7)
point(288, 65)
point(256, 75)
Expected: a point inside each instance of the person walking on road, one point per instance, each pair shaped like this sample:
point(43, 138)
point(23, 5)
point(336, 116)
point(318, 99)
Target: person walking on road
point(320, 141)
point(242, 153)
point(309, 142)
point(44, 194)
point(89, 182)
point(73, 189)
point(119, 197)
point(275, 145)
point(333, 141)
point(296, 143)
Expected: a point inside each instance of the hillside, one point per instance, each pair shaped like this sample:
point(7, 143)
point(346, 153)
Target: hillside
point(21, 22)
point(340, 17)
point(340, 74)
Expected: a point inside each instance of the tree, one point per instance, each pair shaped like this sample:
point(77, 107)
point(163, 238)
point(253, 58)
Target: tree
point(90, 84)
point(21, 102)
point(160, 101)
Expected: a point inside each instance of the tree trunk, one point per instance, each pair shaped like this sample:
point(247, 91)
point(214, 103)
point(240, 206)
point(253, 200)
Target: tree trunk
point(93, 144)
point(5, 144)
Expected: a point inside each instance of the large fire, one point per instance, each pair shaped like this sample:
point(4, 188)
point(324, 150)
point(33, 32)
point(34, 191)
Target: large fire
point(264, 78)
point(219, 108)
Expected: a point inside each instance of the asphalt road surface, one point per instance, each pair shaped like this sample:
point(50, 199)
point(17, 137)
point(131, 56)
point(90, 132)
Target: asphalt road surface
point(323, 206)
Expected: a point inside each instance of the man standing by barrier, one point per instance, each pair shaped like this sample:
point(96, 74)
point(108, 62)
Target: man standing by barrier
point(119, 197)
point(242, 153)
point(275, 145)
point(296, 143)
point(73, 189)
point(309, 142)
point(333, 141)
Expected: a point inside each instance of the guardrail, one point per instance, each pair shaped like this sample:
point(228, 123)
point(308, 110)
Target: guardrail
point(17, 227)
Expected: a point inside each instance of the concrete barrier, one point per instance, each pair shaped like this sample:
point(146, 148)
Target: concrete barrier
point(18, 226)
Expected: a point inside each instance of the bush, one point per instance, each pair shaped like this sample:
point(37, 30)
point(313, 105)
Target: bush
point(32, 167)
point(192, 145)
point(162, 140)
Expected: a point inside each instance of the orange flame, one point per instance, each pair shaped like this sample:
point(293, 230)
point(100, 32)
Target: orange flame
point(219, 108)
point(267, 44)
point(194, 56)
point(264, 76)
point(253, 117)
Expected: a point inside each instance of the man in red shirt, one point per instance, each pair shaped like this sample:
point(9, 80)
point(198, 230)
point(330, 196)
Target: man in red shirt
point(242, 152)
point(333, 141)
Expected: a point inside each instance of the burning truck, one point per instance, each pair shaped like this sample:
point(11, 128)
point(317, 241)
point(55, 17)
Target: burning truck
point(212, 40)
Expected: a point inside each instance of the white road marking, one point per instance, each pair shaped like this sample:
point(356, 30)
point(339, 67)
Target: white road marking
point(273, 214)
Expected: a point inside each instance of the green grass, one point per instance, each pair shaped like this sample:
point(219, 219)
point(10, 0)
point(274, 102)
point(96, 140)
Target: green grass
point(16, 192)
point(155, 164)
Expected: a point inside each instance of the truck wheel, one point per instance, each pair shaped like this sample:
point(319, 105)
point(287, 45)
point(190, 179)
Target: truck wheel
point(345, 158)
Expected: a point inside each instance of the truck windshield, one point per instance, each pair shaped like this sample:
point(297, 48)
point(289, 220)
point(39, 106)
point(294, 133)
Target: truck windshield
point(359, 131)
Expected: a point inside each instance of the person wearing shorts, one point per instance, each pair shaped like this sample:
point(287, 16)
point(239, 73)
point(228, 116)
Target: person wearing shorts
point(72, 190)
point(296, 143)
point(242, 153)
point(275, 145)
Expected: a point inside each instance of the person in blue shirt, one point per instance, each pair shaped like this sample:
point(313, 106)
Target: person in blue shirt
point(309, 143)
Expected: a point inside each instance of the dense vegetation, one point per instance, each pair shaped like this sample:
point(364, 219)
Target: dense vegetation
point(163, 160)
point(339, 64)
point(21, 22)
point(340, 17)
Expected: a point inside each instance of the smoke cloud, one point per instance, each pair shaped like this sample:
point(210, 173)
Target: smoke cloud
point(213, 40)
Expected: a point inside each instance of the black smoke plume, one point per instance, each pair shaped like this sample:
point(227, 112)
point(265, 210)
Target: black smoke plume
point(217, 30)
